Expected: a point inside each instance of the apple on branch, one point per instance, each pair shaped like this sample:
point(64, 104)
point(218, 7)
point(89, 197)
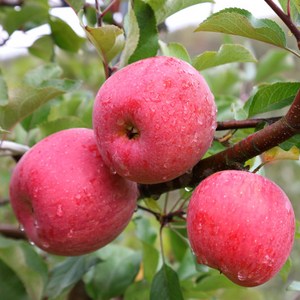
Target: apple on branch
point(154, 119)
point(64, 196)
point(241, 224)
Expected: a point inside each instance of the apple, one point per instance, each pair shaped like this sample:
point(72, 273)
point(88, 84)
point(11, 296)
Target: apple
point(241, 224)
point(154, 119)
point(64, 196)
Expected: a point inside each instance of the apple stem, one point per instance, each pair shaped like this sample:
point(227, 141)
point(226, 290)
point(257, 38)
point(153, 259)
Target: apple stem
point(235, 156)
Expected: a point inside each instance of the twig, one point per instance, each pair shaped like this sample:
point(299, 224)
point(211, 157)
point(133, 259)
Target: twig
point(12, 232)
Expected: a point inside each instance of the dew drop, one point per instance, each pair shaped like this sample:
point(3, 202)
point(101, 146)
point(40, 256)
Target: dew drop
point(78, 196)
point(242, 276)
point(21, 227)
point(31, 243)
point(59, 211)
point(45, 245)
point(188, 189)
point(70, 234)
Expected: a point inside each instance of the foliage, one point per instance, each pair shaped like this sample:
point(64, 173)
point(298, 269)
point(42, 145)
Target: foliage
point(53, 87)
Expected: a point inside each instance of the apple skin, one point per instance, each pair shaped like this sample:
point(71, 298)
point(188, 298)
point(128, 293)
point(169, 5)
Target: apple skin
point(241, 224)
point(64, 196)
point(154, 119)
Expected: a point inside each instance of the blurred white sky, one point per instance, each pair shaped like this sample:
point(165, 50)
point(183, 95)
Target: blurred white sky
point(193, 15)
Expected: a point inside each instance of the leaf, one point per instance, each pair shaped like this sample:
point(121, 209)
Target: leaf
point(187, 266)
point(294, 9)
point(26, 263)
point(43, 48)
point(64, 36)
point(145, 230)
point(41, 74)
point(165, 285)
point(293, 141)
point(30, 15)
point(273, 96)
point(228, 53)
point(214, 282)
point(278, 153)
point(115, 274)
point(166, 8)
point(286, 269)
point(3, 91)
point(137, 291)
point(274, 62)
point(108, 40)
point(175, 50)
point(12, 287)
point(242, 23)
point(152, 204)
point(148, 35)
point(77, 5)
point(132, 33)
point(68, 272)
point(62, 123)
point(27, 99)
point(150, 261)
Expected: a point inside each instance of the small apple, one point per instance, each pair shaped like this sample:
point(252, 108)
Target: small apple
point(241, 224)
point(154, 119)
point(64, 196)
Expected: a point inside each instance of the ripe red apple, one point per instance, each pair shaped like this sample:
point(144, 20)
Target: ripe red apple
point(241, 224)
point(154, 119)
point(68, 201)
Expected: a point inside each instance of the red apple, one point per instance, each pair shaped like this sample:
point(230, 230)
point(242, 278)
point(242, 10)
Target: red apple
point(241, 224)
point(154, 119)
point(68, 201)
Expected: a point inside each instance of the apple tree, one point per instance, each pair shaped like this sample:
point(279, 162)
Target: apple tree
point(218, 228)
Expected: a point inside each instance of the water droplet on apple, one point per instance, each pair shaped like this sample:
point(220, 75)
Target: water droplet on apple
point(45, 245)
point(21, 227)
point(70, 234)
point(78, 196)
point(36, 224)
point(31, 243)
point(59, 211)
point(242, 276)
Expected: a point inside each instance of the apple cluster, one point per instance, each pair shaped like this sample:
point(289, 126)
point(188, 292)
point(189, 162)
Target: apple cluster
point(76, 190)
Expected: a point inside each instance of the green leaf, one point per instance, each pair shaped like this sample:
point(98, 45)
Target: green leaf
point(286, 269)
point(41, 74)
point(214, 282)
point(108, 40)
point(150, 260)
point(62, 123)
point(228, 53)
point(294, 286)
point(64, 36)
point(152, 204)
point(241, 22)
point(132, 33)
point(148, 35)
point(273, 96)
point(3, 91)
point(30, 15)
point(137, 291)
point(178, 244)
point(175, 50)
point(68, 272)
point(293, 141)
point(26, 263)
point(145, 230)
point(113, 276)
point(187, 267)
point(43, 48)
point(166, 285)
point(273, 63)
point(27, 99)
point(294, 9)
point(12, 287)
point(166, 8)
point(77, 5)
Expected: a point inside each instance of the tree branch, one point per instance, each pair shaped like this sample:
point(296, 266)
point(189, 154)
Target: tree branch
point(286, 19)
point(240, 124)
point(235, 156)
point(12, 232)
